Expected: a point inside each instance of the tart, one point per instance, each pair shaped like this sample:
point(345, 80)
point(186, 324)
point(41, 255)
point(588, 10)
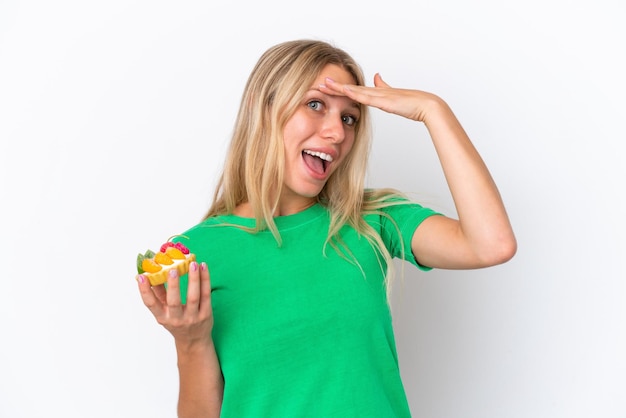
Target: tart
point(156, 266)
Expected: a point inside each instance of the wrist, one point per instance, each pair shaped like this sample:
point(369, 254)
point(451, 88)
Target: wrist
point(194, 346)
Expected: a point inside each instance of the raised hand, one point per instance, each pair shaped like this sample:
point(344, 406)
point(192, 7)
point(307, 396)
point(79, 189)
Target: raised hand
point(482, 236)
point(411, 104)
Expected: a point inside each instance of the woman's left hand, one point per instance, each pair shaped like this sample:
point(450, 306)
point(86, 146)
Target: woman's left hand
point(482, 236)
point(411, 104)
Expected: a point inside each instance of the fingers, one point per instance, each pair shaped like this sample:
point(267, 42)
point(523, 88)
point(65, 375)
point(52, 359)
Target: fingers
point(193, 289)
point(198, 291)
point(195, 316)
point(361, 94)
point(174, 305)
point(160, 293)
point(408, 103)
point(148, 296)
point(205, 295)
point(378, 81)
point(334, 88)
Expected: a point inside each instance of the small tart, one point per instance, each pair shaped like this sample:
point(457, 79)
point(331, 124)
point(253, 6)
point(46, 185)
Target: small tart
point(161, 276)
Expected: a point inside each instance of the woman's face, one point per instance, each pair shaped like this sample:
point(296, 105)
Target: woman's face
point(317, 138)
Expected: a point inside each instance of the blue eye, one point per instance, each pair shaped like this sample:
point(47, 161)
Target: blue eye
point(349, 120)
point(315, 104)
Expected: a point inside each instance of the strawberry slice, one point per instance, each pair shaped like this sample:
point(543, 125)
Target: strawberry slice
point(166, 246)
point(182, 247)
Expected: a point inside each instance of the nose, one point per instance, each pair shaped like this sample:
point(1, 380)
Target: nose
point(333, 129)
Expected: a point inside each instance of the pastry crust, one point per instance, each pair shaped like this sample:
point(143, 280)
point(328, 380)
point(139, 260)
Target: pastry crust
point(161, 276)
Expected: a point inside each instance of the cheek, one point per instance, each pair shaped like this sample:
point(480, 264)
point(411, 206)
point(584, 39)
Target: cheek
point(348, 145)
point(296, 129)
point(347, 149)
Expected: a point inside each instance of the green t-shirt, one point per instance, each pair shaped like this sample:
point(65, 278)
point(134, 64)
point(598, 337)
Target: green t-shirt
point(300, 333)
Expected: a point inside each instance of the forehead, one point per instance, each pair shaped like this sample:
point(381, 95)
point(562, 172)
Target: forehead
point(335, 72)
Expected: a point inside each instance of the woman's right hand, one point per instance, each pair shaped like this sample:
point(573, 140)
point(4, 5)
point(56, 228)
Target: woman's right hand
point(191, 323)
point(201, 385)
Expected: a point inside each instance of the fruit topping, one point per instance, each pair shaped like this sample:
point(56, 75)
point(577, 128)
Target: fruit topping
point(167, 245)
point(174, 253)
point(151, 262)
point(150, 266)
point(163, 258)
point(182, 248)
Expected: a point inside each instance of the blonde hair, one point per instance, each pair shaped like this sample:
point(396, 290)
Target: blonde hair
point(254, 165)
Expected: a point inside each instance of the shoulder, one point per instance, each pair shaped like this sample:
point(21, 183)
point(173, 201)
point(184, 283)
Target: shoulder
point(214, 225)
point(387, 201)
point(394, 208)
point(213, 235)
point(383, 196)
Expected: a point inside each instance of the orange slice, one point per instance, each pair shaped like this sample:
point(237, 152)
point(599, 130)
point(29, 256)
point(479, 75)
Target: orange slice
point(150, 266)
point(174, 253)
point(161, 258)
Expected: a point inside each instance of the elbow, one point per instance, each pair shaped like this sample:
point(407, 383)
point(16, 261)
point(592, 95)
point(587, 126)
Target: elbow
point(508, 250)
point(501, 251)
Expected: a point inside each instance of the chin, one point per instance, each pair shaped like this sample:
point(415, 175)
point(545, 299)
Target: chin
point(307, 191)
point(310, 194)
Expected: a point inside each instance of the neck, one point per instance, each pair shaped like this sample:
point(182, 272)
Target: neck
point(284, 208)
point(294, 207)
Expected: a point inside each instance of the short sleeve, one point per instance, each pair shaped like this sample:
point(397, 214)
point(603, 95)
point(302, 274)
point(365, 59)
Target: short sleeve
point(398, 223)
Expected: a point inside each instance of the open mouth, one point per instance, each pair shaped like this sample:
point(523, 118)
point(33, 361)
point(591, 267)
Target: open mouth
point(317, 161)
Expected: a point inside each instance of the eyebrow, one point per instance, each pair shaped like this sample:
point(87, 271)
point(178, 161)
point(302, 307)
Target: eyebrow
point(356, 105)
point(353, 104)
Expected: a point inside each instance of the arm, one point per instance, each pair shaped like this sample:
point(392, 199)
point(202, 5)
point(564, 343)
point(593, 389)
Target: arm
point(482, 236)
point(201, 384)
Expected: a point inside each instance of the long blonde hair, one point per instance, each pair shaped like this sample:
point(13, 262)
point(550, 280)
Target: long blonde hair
point(254, 165)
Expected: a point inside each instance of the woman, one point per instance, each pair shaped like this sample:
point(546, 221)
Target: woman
point(293, 320)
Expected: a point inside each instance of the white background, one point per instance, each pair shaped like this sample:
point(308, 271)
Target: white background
point(114, 118)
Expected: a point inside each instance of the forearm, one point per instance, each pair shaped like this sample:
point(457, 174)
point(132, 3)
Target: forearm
point(201, 383)
point(482, 236)
point(483, 220)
